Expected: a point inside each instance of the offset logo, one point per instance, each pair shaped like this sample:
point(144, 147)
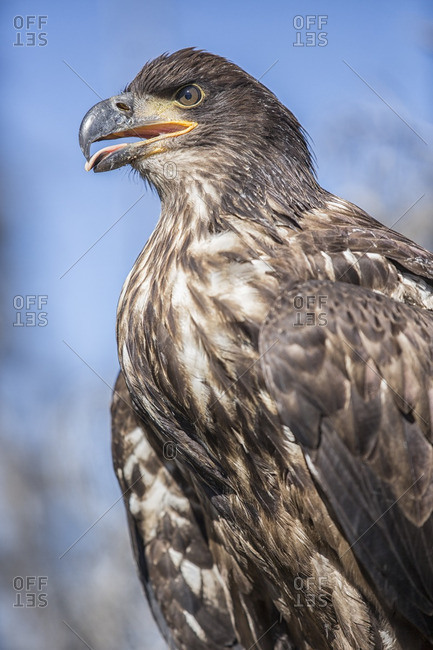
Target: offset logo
point(307, 311)
point(169, 450)
point(30, 31)
point(29, 311)
point(30, 591)
point(310, 592)
point(309, 31)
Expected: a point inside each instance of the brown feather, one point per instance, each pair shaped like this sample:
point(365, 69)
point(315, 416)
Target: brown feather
point(302, 431)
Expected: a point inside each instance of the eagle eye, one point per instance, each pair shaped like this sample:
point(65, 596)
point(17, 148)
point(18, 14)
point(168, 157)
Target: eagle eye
point(189, 96)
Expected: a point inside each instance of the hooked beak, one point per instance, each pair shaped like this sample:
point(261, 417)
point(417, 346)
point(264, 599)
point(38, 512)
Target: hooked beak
point(115, 118)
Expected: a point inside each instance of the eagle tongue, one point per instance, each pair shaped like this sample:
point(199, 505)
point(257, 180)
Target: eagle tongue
point(102, 153)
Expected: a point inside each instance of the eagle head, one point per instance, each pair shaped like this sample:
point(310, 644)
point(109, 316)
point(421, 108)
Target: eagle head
point(193, 111)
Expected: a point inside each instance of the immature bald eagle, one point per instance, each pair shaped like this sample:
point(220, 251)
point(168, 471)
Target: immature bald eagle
point(272, 421)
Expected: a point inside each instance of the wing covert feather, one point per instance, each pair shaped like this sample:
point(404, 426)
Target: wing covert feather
point(351, 371)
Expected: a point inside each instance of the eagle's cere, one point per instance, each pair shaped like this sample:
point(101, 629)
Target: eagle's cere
point(272, 421)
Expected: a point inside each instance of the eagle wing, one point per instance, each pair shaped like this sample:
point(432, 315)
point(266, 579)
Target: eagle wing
point(180, 579)
point(194, 605)
point(351, 372)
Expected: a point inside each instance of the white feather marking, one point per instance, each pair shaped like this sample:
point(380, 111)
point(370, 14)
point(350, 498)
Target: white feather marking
point(234, 287)
point(142, 450)
point(311, 467)
point(135, 436)
point(268, 401)
point(417, 288)
point(388, 639)
point(175, 557)
point(196, 628)
point(288, 434)
point(219, 243)
point(135, 505)
point(373, 256)
point(328, 265)
point(212, 582)
point(191, 353)
point(192, 575)
point(261, 266)
point(351, 258)
point(200, 196)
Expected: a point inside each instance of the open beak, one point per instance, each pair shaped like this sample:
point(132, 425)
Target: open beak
point(115, 118)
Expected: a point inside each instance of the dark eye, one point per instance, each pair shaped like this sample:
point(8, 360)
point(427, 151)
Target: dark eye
point(189, 96)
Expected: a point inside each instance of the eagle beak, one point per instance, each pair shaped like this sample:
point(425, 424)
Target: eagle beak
point(116, 118)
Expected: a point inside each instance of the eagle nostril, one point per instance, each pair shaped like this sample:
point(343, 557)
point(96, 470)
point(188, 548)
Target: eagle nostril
point(123, 107)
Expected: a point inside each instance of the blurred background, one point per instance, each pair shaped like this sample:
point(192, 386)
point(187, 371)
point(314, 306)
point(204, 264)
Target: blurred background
point(358, 77)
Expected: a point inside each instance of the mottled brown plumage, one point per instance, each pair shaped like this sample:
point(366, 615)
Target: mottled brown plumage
point(279, 341)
